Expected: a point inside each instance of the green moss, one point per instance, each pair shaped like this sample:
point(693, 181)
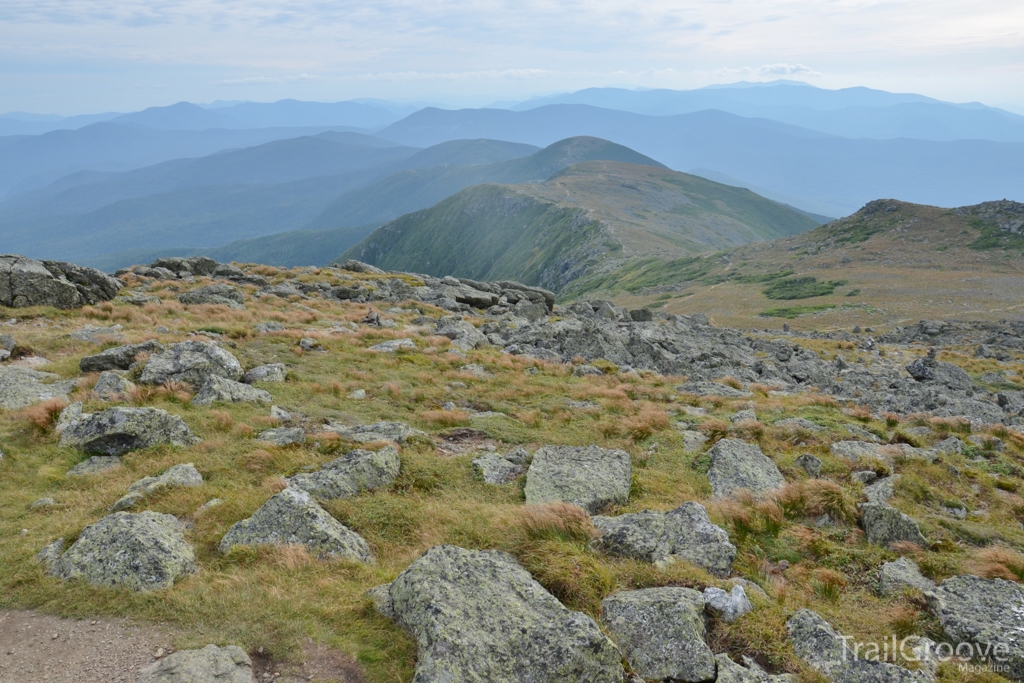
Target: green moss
point(801, 288)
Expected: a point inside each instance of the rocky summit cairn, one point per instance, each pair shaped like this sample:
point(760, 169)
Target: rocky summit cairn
point(479, 616)
point(27, 282)
point(211, 664)
point(191, 362)
point(119, 430)
point(219, 389)
point(817, 643)
point(685, 533)
point(883, 524)
point(119, 357)
point(352, 473)
point(23, 387)
point(293, 517)
point(141, 552)
point(178, 476)
point(661, 633)
point(590, 477)
point(986, 613)
point(737, 465)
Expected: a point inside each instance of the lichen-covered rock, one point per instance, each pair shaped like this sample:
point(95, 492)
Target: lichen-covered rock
point(855, 450)
point(186, 476)
point(293, 517)
point(881, 490)
point(590, 477)
point(731, 672)
point(352, 473)
point(223, 294)
point(799, 424)
point(479, 616)
point(884, 524)
point(119, 430)
point(950, 446)
point(112, 386)
point(274, 372)
point(219, 389)
point(985, 612)
point(283, 436)
point(903, 573)
point(818, 644)
point(23, 387)
point(71, 414)
point(693, 440)
point(191, 362)
point(393, 345)
point(931, 371)
point(685, 533)
point(737, 465)
point(211, 664)
point(711, 389)
point(397, 432)
point(26, 282)
point(811, 464)
point(95, 465)
point(661, 632)
point(498, 468)
point(727, 606)
point(119, 357)
point(141, 552)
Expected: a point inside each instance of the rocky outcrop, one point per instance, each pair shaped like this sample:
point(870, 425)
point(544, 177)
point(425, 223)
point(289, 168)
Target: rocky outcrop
point(501, 468)
point(26, 282)
point(23, 387)
point(685, 533)
point(293, 517)
point(884, 524)
point(661, 633)
point(186, 476)
point(141, 552)
point(479, 616)
point(737, 465)
point(211, 664)
point(901, 574)
point(191, 362)
point(590, 477)
point(116, 431)
point(219, 389)
point(119, 357)
point(222, 294)
point(987, 613)
point(353, 473)
point(396, 432)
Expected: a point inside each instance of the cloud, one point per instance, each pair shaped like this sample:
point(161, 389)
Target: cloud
point(269, 80)
point(769, 71)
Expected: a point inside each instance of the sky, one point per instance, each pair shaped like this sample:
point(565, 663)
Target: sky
point(85, 56)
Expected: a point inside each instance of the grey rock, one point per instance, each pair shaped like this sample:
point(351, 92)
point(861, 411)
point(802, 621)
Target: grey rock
point(218, 389)
point(737, 465)
point(95, 465)
point(27, 282)
point(743, 415)
point(950, 446)
point(355, 472)
point(357, 395)
point(685, 533)
point(140, 552)
point(393, 345)
point(727, 606)
point(498, 468)
point(864, 476)
point(397, 432)
point(119, 430)
point(293, 517)
point(818, 644)
point(479, 616)
point(274, 372)
point(711, 389)
point(23, 387)
point(985, 612)
point(884, 524)
point(811, 464)
point(855, 450)
point(894, 577)
point(731, 672)
point(933, 371)
point(268, 327)
point(881, 490)
point(222, 294)
point(112, 386)
point(42, 504)
point(862, 434)
point(279, 413)
point(179, 476)
point(191, 362)
point(661, 633)
point(586, 371)
point(799, 424)
point(98, 335)
point(590, 477)
point(310, 344)
point(283, 436)
point(211, 664)
point(69, 416)
point(137, 299)
point(355, 266)
point(693, 440)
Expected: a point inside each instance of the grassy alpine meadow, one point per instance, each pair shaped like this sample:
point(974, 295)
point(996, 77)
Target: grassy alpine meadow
point(276, 598)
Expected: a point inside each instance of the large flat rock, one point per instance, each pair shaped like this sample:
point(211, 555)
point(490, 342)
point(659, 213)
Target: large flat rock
point(116, 431)
point(191, 362)
point(352, 473)
point(24, 387)
point(590, 477)
point(737, 466)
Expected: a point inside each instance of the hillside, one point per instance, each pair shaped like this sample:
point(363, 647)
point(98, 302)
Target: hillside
point(554, 232)
point(891, 263)
point(420, 188)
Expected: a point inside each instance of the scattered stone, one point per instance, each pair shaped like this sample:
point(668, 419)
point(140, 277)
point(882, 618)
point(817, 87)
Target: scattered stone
point(743, 415)
point(855, 450)
point(136, 299)
point(211, 664)
point(310, 344)
point(862, 434)
point(23, 387)
point(140, 552)
point(191, 362)
point(218, 389)
point(931, 371)
point(693, 440)
point(355, 266)
point(479, 616)
point(987, 443)
point(267, 328)
point(283, 436)
point(661, 632)
point(586, 371)
point(352, 473)
point(274, 372)
point(27, 282)
point(112, 387)
point(293, 517)
point(498, 468)
point(42, 503)
point(711, 389)
point(884, 524)
point(98, 335)
point(864, 476)
point(685, 533)
point(727, 606)
point(475, 369)
point(881, 490)
point(799, 424)
point(737, 465)
point(222, 294)
point(894, 577)
point(986, 612)
point(280, 414)
point(590, 477)
point(69, 416)
point(731, 672)
point(186, 476)
point(393, 345)
point(396, 432)
point(119, 430)
point(950, 446)
point(357, 395)
point(95, 465)
point(811, 464)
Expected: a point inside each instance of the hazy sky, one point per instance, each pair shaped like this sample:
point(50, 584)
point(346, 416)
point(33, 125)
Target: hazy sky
point(78, 56)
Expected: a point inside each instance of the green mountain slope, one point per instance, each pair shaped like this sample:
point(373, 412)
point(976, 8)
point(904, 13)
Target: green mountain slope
point(592, 215)
point(417, 189)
